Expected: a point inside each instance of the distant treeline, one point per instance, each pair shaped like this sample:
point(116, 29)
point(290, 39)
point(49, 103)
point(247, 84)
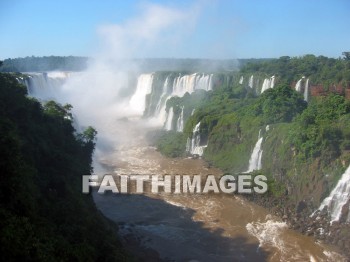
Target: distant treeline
point(74, 63)
point(46, 63)
point(320, 69)
point(187, 64)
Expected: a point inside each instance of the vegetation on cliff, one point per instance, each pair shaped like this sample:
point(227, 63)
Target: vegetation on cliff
point(320, 70)
point(46, 63)
point(305, 145)
point(43, 214)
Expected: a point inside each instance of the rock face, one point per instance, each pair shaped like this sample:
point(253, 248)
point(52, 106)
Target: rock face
point(301, 217)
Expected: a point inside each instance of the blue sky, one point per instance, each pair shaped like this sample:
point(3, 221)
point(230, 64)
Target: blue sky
point(219, 29)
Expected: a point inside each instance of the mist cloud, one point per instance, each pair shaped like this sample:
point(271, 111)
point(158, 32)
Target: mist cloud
point(155, 26)
point(96, 93)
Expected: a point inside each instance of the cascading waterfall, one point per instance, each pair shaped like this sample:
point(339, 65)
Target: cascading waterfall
point(44, 86)
point(180, 121)
point(241, 80)
point(160, 113)
point(251, 81)
point(203, 82)
point(256, 156)
point(179, 86)
point(298, 85)
point(306, 91)
point(338, 202)
point(189, 83)
point(268, 83)
point(144, 87)
point(193, 146)
point(169, 120)
point(163, 96)
point(272, 83)
point(303, 87)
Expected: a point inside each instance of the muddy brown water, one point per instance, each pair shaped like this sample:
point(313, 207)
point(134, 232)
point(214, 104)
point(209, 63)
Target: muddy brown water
point(199, 227)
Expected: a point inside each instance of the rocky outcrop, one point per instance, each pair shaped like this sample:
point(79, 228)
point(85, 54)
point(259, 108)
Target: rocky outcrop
point(301, 217)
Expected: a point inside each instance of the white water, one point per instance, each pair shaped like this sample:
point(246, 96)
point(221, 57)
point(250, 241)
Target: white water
point(181, 85)
point(45, 86)
point(298, 85)
point(169, 120)
point(241, 80)
point(338, 202)
point(268, 232)
point(215, 212)
point(163, 96)
point(256, 156)
point(268, 83)
point(306, 91)
point(190, 83)
point(180, 121)
point(144, 87)
point(303, 87)
point(251, 81)
point(193, 146)
point(275, 234)
point(160, 113)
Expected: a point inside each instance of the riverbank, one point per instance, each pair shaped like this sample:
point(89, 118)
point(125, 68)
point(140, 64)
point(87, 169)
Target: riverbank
point(203, 227)
point(299, 217)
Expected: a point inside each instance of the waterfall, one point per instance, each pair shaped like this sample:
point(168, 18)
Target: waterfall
point(203, 82)
point(267, 84)
point(193, 146)
point(272, 83)
point(306, 91)
point(180, 85)
point(163, 96)
point(255, 158)
point(298, 85)
point(160, 113)
point(241, 80)
point(192, 111)
point(303, 88)
point(189, 83)
point(180, 121)
point(173, 86)
point(169, 120)
point(338, 202)
point(144, 87)
point(251, 81)
point(44, 86)
point(183, 84)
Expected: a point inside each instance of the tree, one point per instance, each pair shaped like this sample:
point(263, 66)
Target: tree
point(280, 104)
point(89, 135)
point(55, 109)
point(346, 55)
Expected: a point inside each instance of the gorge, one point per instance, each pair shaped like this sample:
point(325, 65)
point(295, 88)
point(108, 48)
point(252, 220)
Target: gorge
point(224, 118)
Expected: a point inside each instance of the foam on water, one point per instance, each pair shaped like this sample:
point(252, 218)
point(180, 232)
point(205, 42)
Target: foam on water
point(268, 232)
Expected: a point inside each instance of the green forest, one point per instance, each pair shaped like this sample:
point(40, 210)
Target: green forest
point(46, 63)
point(305, 143)
point(320, 69)
point(43, 214)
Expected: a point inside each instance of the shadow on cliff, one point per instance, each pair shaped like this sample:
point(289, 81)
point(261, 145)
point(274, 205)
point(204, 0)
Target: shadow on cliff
point(170, 231)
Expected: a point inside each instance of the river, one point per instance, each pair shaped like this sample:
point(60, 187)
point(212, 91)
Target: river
point(197, 227)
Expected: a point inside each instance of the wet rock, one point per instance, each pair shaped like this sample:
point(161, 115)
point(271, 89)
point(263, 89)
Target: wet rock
point(301, 206)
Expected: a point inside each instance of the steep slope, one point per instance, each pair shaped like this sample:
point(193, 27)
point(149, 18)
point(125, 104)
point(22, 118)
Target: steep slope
point(43, 214)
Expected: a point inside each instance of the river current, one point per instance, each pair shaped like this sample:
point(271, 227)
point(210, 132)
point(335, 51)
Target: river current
point(198, 227)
